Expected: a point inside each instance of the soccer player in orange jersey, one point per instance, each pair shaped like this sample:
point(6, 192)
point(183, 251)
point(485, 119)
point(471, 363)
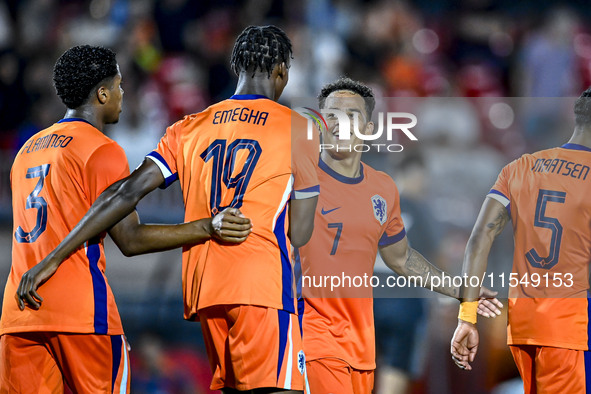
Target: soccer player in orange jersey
point(544, 195)
point(76, 337)
point(236, 153)
point(358, 216)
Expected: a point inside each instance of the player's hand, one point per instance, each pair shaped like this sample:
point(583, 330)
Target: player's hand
point(26, 294)
point(488, 304)
point(230, 226)
point(464, 344)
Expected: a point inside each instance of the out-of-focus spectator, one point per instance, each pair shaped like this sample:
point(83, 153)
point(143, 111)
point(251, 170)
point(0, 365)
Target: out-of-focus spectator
point(547, 66)
point(160, 370)
point(13, 99)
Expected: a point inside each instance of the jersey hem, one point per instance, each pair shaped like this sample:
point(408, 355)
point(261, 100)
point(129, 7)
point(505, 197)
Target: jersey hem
point(535, 342)
point(71, 330)
point(194, 316)
point(358, 367)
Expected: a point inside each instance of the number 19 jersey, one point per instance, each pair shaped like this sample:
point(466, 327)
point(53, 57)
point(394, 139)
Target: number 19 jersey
point(250, 153)
point(547, 196)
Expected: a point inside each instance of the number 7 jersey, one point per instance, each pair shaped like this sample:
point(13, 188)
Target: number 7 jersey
point(250, 153)
point(547, 197)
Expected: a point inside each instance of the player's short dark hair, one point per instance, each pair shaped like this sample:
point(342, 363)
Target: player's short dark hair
point(79, 70)
point(583, 108)
point(260, 48)
point(344, 83)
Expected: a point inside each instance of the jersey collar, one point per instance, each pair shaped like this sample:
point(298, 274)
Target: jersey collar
point(576, 147)
point(74, 120)
point(341, 178)
point(248, 97)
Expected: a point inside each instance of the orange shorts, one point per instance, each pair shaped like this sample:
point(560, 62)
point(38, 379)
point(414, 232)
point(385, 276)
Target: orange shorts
point(253, 347)
point(550, 369)
point(333, 375)
point(43, 362)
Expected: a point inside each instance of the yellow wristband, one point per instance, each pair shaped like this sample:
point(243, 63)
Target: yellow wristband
point(468, 311)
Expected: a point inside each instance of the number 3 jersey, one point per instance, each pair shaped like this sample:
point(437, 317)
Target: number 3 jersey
point(238, 153)
point(55, 178)
point(547, 196)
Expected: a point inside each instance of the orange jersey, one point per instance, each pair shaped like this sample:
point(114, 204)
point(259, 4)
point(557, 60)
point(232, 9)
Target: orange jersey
point(237, 153)
point(55, 178)
point(354, 217)
point(546, 195)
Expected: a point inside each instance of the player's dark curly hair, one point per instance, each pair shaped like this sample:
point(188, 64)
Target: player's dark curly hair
point(344, 83)
point(583, 108)
point(260, 48)
point(80, 69)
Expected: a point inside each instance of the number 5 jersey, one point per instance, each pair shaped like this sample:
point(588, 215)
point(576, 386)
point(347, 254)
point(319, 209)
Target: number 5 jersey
point(547, 197)
point(250, 153)
point(55, 178)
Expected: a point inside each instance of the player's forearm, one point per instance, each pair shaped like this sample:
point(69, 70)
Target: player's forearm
point(109, 208)
point(431, 277)
point(490, 223)
point(301, 220)
point(149, 238)
point(475, 262)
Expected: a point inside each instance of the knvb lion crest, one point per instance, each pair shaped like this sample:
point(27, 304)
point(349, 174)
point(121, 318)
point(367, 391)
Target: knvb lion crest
point(379, 208)
point(301, 362)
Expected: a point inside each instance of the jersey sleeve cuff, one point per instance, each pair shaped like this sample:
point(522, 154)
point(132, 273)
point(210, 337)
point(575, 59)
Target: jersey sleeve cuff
point(500, 197)
point(169, 176)
point(389, 240)
point(306, 193)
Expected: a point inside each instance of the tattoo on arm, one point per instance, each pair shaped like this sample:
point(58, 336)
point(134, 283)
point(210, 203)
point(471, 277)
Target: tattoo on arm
point(417, 265)
point(499, 222)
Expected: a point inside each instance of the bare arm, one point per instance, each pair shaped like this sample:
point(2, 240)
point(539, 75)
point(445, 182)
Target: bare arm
point(491, 220)
point(114, 204)
point(301, 220)
point(134, 238)
point(406, 261)
point(129, 234)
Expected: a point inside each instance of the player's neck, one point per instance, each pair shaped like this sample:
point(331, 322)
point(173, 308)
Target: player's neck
point(259, 84)
point(86, 113)
point(348, 166)
point(581, 136)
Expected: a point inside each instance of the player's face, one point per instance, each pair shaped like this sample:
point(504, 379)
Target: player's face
point(115, 99)
point(353, 105)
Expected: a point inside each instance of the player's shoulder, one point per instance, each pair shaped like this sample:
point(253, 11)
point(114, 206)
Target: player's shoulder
point(370, 172)
point(188, 120)
point(523, 161)
point(80, 139)
point(378, 179)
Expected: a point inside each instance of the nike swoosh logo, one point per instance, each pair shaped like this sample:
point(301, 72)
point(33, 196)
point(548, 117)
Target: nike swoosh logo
point(322, 211)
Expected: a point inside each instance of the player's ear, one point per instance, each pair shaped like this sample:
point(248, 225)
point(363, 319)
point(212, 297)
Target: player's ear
point(281, 72)
point(102, 94)
point(284, 70)
point(369, 128)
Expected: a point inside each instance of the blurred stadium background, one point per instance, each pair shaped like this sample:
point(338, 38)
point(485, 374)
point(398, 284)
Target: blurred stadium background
point(504, 73)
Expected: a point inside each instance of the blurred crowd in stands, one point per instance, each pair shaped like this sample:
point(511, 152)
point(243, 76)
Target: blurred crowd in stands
point(174, 54)
point(488, 80)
